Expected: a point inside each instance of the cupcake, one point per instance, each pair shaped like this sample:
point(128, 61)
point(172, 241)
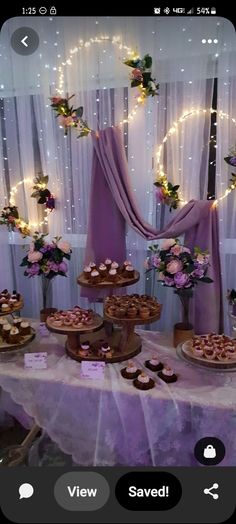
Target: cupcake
point(25, 328)
point(230, 351)
point(167, 374)
point(87, 272)
point(144, 312)
point(17, 322)
point(144, 382)
point(95, 277)
point(92, 265)
point(209, 353)
point(154, 364)
point(84, 350)
point(130, 371)
point(108, 263)
point(3, 321)
point(105, 350)
point(111, 310)
point(128, 272)
point(115, 265)
point(5, 294)
point(223, 356)
point(57, 323)
point(102, 270)
point(198, 351)
point(132, 312)
point(6, 331)
point(14, 335)
point(125, 264)
point(112, 275)
point(5, 308)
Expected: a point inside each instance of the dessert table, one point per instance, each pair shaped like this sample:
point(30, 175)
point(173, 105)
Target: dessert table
point(108, 421)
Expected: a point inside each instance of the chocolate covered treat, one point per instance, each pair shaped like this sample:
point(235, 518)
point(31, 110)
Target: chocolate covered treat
point(144, 382)
point(167, 374)
point(130, 371)
point(154, 364)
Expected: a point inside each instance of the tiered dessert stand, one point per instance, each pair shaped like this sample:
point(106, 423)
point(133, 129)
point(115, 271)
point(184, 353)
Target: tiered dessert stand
point(124, 342)
point(25, 340)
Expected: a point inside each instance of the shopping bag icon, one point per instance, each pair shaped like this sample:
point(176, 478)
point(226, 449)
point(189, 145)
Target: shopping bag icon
point(209, 452)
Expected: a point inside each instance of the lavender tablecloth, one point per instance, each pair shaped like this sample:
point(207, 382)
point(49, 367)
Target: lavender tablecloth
point(109, 422)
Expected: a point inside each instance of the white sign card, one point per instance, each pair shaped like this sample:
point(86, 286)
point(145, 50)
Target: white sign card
point(92, 369)
point(35, 360)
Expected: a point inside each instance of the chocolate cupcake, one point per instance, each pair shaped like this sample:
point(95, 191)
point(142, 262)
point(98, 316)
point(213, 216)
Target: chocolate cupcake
point(131, 371)
point(25, 328)
point(105, 350)
point(167, 375)
point(144, 382)
point(154, 364)
point(84, 350)
point(132, 312)
point(108, 263)
point(14, 336)
point(87, 272)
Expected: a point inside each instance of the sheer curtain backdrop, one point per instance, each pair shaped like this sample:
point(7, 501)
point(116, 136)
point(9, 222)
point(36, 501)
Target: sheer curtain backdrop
point(185, 69)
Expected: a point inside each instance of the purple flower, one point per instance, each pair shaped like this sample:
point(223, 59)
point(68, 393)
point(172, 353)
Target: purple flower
point(232, 160)
point(199, 273)
point(63, 267)
point(169, 281)
point(160, 194)
point(156, 261)
point(181, 279)
point(33, 270)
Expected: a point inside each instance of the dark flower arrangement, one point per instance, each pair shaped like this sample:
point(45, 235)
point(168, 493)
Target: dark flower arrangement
point(42, 193)
point(10, 218)
point(68, 116)
point(141, 75)
point(231, 296)
point(167, 193)
point(231, 160)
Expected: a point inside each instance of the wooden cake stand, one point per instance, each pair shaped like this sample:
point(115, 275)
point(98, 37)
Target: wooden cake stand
point(73, 341)
point(106, 284)
point(12, 309)
point(25, 340)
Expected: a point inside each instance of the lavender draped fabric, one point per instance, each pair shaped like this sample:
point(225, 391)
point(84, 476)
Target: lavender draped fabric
point(112, 204)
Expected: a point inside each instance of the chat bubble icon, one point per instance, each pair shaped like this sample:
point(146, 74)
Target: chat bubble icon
point(26, 491)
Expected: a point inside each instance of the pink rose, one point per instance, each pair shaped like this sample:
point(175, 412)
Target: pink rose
point(56, 100)
point(186, 250)
point(176, 250)
point(201, 259)
point(137, 75)
point(64, 246)
point(31, 247)
point(174, 266)
point(34, 256)
point(166, 244)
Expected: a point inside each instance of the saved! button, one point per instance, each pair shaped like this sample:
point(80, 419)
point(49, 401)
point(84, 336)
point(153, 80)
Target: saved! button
point(148, 491)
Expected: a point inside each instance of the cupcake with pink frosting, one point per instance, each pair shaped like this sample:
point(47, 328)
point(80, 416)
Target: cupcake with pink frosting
point(167, 375)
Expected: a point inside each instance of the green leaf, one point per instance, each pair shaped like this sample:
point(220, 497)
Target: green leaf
point(42, 200)
point(175, 188)
point(147, 61)
point(208, 280)
point(79, 112)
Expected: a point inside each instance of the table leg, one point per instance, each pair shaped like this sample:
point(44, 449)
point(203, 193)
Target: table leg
point(73, 340)
point(126, 334)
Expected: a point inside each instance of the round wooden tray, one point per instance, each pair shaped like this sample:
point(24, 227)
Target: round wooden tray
point(122, 349)
point(185, 351)
point(63, 330)
point(12, 310)
point(25, 341)
point(122, 282)
point(134, 321)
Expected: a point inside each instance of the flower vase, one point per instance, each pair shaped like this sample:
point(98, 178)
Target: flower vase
point(47, 299)
point(183, 331)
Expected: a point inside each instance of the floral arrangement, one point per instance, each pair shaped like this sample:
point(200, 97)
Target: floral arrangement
point(42, 193)
point(231, 296)
point(176, 266)
point(231, 160)
point(10, 217)
point(45, 258)
point(68, 116)
point(141, 75)
point(166, 193)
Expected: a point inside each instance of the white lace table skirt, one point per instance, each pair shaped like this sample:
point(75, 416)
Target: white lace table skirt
point(108, 422)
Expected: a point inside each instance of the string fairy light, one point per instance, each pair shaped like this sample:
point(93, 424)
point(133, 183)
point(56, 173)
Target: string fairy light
point(174, 129)
point(115, 40)
point(12, 202)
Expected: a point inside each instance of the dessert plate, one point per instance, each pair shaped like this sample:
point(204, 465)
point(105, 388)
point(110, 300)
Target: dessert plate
point(184, 351)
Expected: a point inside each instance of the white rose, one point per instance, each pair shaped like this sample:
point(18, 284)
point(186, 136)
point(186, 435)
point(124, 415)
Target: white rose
point(166, 244)
point(64, 246)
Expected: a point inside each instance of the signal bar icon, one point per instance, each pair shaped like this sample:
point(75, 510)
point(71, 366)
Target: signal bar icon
point(191, 11)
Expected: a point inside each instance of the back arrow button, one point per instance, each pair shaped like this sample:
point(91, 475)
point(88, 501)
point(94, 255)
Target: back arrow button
point(24, 41)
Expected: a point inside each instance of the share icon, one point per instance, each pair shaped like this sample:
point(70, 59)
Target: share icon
point(208, 491)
